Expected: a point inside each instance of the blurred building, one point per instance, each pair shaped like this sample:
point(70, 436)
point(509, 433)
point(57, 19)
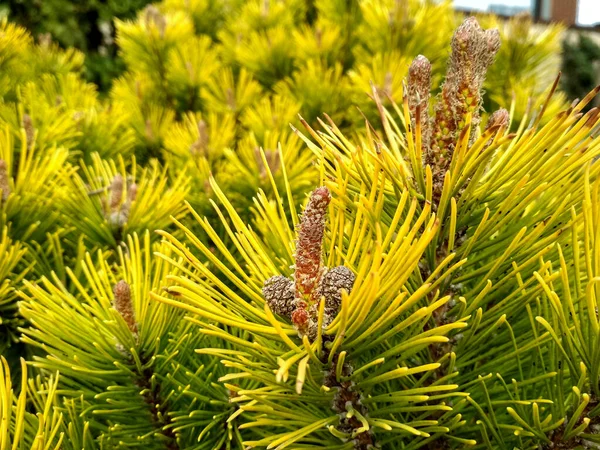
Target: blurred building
point(572, 13)
point(564, 11)
point(508, 10)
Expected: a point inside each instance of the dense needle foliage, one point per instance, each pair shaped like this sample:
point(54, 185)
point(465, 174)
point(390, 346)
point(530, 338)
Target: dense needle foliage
point(181, 269)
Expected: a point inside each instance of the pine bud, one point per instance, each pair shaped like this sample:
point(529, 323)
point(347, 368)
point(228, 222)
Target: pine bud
point(301, 320)
point(319, 37)
point(29, 130)
point(493, 45)
point(309, 244)
point(4, 182)
point(124, 306)
point(419, 87)
point(278, 292)
point(148, 131)
point(388, 84)
point(132, 192)
point(499, 118)
point(419, 79)
point(116, 192)
point(231, 100)
point(154, 17)
point(200, 145)
point(273, 161)
point(45, 40)
point(473, 51)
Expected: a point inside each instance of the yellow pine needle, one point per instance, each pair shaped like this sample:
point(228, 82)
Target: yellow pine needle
point(301, 376)
point(398, 373)
point(383, 423)
point(279, 330)
point(341, 326)
point(289, 438)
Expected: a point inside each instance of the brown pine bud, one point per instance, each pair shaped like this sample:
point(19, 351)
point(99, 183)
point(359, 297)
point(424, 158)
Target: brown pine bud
point(200, 145)
point(154, 17)
point(124, 306)
point(149, 131)
point(279, 294)
point(419, 80)
point(499, 118)
point(273, 161)
point(309, 244)
point(231, 100)
point(319, 37)
point(388, 84)
point(473, 51)
point(301, 320)
point(493, 45)
point(4, 182)
point(45, 40)
point(116, 192)
point(29, 130)
point(132, 192)
point(419, 87)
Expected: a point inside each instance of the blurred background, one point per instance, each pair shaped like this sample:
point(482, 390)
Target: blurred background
point(89, 27)
point(571, 12)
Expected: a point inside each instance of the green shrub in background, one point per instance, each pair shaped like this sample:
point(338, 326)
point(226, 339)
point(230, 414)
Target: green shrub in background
point(580, 66)
point(85, 25)
point(180, 268)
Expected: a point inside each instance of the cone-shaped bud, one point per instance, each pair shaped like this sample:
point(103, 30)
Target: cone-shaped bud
point(149, 131)
point(499, 119)
point(200, 145)
point(273, 161)
point(473, 51)
point(132, 192)
point(309, 244)
point(154, 17)
point(4, 185)
point(29, 130)
point(123, 304)
point(419, 87)
point(116, 192)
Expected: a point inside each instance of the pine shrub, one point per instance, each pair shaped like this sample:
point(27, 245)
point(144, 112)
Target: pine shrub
point(179, 268)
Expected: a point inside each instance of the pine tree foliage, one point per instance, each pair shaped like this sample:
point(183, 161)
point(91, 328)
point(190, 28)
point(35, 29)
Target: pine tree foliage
point(10, 275)
point(107, 202)
point(182, 269)
point(21, 60)
point(131, 349)
point(20, 428)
